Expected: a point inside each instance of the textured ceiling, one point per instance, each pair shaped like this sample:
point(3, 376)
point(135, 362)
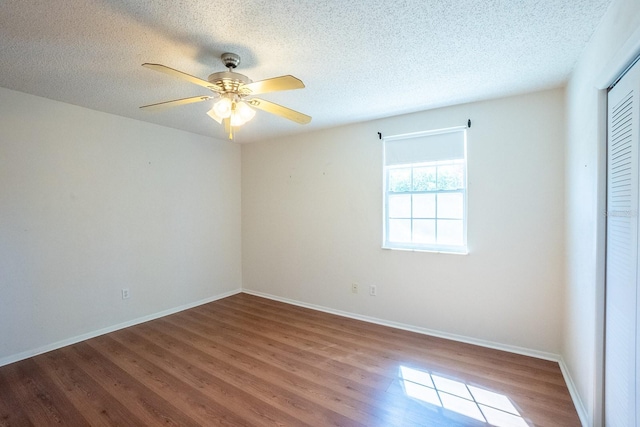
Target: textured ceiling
point(360, 60)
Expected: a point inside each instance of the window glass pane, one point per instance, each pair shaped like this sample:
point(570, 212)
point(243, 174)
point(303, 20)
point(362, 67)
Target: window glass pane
point(424, 231)
point(450, 177)
point(399, 180)
point(450, 205)
point(450, 232)
point(424, 205)
point(424, 179)
point(400, 230)
point(400, 206)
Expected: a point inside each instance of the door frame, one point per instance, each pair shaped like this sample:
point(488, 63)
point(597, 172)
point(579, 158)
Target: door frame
point(611, 71)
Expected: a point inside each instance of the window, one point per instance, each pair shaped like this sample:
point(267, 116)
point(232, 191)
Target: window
point(425, 200)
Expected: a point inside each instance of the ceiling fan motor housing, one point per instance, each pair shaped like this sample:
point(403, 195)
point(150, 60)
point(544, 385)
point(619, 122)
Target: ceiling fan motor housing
point(229, 81)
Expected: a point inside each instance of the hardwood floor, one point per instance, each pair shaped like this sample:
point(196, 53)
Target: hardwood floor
point(249, 361)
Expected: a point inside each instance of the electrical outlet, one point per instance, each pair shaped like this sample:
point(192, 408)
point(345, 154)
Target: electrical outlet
point(373, 291)
point(125, 293)
point(354, 288)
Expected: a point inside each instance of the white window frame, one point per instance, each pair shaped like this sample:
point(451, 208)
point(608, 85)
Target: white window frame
point(434, 247)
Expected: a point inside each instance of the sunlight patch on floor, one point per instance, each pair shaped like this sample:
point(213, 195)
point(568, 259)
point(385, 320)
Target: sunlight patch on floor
point(483, 405)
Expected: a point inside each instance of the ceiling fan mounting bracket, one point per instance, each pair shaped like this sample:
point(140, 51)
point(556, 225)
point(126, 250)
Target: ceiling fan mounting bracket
point(230, 60)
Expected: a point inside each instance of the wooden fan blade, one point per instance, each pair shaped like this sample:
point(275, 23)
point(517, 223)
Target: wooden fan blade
point(175, 103)
point(183, 76)
point(271, 85)
point(279, 110)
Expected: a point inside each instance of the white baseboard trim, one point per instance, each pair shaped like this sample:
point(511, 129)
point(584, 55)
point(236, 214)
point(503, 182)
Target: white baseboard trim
point(460, 338)
point(573, 391)
point(69, 341)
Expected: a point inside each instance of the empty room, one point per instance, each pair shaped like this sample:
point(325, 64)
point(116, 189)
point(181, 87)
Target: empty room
point(296, 213)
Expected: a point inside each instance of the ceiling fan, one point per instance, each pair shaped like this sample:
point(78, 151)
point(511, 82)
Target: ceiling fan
point(234, 94)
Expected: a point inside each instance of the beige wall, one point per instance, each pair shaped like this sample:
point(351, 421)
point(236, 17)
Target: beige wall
point(91, 203)
point(614, 39)
point(312, 224)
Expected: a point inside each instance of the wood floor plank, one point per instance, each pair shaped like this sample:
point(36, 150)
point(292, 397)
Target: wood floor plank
point(305, 378)
point(372, 352)
point(279, 356)
point(11, 409)
point(128, 390)
point(531, 381)
point(375, 398)
point(254, 375)
point(288, 358)
point(250, 361)
point(98, 406)
point(170, 388)
point(431, 350)
point(393, 336)
point(46, 404)
point(253, 409)
point(387, 336)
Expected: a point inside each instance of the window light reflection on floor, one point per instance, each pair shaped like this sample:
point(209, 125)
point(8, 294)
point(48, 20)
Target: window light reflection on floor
point(474, 402)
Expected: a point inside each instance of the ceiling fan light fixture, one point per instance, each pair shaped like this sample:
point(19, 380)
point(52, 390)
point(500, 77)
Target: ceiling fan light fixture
point(212, 113)
point(245, 112)
point(236, 120)
point(223, 107)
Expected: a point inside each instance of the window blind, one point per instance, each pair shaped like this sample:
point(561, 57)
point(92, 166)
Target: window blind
point(424, 147)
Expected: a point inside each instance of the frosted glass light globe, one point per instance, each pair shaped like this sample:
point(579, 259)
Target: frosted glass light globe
point(246, 113)
point(223, 108)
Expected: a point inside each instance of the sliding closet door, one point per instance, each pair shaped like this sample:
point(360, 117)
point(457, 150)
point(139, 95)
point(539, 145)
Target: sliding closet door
point(621, 331)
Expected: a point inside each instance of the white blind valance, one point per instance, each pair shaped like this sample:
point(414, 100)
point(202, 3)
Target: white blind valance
point(424, 147)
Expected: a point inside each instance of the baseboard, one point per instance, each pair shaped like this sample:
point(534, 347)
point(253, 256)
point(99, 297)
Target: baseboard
point(93, 334)
point(460, 338)
point(573, 391)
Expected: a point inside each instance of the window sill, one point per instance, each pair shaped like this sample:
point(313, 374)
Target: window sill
point(462, 251)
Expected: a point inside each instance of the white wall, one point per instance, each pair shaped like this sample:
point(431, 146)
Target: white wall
point(312, 224)
point(585, 195)
point(91, 203)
